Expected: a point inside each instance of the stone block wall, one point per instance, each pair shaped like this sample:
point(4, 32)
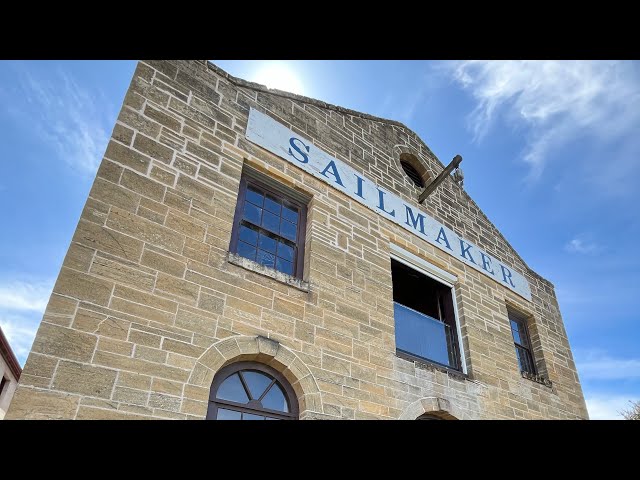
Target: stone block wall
point(149, 304)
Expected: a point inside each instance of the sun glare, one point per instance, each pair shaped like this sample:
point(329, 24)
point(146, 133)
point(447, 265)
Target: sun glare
point(281, 76)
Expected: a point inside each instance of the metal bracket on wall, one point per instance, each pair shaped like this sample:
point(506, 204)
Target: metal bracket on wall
point(440, 178)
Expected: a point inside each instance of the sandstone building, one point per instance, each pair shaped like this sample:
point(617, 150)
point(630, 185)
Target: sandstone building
point(247, 253)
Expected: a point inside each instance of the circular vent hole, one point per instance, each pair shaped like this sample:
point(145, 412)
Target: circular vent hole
point(412, 173)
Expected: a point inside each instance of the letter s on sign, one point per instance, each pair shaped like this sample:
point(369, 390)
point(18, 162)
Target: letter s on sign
point(297, 149)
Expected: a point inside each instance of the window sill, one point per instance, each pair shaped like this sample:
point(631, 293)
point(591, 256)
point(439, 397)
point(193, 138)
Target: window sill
point(537, 379)
point(268, 272)
point(427, 365)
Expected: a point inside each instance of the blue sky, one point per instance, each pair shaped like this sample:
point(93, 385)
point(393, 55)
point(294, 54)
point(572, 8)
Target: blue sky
point(551, 154)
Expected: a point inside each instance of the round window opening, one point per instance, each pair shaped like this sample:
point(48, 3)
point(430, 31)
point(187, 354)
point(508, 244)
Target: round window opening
point(251, 391)
point(412, 173)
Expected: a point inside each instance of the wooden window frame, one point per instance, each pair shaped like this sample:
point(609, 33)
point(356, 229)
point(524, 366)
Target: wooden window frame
point(523, 330)
point(226, 372)
point(450, 319)
point(287, 200)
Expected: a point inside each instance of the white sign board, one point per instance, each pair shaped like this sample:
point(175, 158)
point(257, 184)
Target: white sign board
point(300, 151)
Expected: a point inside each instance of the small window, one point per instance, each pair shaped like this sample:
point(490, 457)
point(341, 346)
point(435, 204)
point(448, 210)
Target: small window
point(424, 317)
point(269, 228)
point(522, 343)
point(4, 383)
point(251, 391)
point(412, 173)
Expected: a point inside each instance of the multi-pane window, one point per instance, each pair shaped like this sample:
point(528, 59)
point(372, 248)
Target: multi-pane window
point(424, 317)
point(269, 228)
point(522, 343)
point(251, 391)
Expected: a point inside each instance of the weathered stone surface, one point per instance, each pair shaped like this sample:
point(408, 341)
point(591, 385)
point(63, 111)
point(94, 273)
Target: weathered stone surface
point(112, 194)
point(194, 189)
point(142, 185)
point(64, 343)
point(195, 322)
point(81, 286)
point(30, 404)
point(145, 230)
point(121, 273)
point(127, 157)
point(107, 240)
point(88, 380)
point(163, 263)
point(91, 413)
point(178, 287)
point(153, 149)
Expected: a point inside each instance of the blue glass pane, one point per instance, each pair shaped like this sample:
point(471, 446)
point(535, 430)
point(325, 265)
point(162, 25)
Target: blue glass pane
point(290, 214)
point(254, 196)
point(251, 416)
point(270, 221)
point(267, 243)
point(288, 230)
point(272, 204)
point(515, 330)
point(275, 399)
point(285, 251)
point(248, 235)
point(232, 389)
point(421, 335)
point(246, 251)
point(265, 258)
point(284, 266)
point(252, 213)
point(257, 383)
point(224, 414)
point(519, 357)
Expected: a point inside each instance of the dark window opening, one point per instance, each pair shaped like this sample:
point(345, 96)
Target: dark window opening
point(412, 173)
point(428, 416)
point(522, 343)
point(269, 228)
point(424, 317)
point(251, 391)
point(4, 383)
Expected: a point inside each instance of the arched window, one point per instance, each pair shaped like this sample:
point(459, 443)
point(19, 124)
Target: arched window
point(428, 416)
point(251, 391)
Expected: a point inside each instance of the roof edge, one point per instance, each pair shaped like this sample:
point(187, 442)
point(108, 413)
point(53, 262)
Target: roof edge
point(301, 98)
point(294, 96)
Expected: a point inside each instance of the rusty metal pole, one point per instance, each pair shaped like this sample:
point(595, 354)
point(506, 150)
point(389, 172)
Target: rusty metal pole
point(440, 178)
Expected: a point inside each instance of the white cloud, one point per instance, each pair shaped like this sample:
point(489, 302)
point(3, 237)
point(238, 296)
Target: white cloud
point(558, 102)
point(21, 307)
point(18, 295)
point(73, 121)
point(598, 365)
point(607, 407)
point(581, 245)
point(20, 331)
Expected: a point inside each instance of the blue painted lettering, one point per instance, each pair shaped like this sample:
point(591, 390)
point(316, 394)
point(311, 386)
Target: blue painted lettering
point(415, 221)
point(506, 271)
point(360, 184)
point(486, 262)
point(305, 157)
point(443, 236)
point(381, 203)
point(334, 171)
point(464, 251)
